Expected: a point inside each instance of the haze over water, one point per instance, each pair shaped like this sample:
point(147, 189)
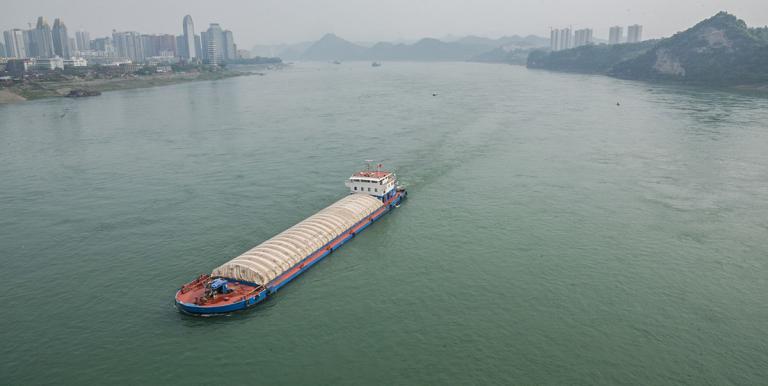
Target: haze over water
point(551, 236)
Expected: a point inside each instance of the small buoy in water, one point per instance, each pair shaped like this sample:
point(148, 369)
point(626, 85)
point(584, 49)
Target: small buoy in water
point(434, 94)
point(618, 104)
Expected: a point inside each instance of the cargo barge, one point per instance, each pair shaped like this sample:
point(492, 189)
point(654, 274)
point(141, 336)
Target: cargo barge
point(251, 277)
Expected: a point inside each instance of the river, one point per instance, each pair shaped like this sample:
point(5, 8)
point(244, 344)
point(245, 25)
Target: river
point(551, 236)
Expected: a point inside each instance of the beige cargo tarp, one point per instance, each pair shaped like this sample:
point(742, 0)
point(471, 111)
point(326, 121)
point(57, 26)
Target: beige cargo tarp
point(271, 258)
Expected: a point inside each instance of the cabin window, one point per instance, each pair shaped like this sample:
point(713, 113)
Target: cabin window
point(355, 187)
point(369, 189)
point(376, 190)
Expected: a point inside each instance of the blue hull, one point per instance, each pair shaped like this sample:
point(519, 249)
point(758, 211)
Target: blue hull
point(203, 310)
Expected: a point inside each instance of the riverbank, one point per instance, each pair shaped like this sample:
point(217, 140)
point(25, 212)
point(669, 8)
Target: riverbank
point(7, 96)
point(53, 89)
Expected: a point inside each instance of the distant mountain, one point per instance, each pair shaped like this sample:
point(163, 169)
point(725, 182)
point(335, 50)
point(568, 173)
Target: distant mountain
point(515, 41)
point(517, 56)
point(508, 49)
point(425, 50)
point(332, 47)
point(283, 51)
point(720, 50)
point(479, 41)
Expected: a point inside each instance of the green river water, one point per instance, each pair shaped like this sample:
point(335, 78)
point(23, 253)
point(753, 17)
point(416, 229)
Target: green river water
point(550, 237)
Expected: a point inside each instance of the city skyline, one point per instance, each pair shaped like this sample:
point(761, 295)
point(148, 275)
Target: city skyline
point(213, 46)
point(271, 22)
point(566, 38)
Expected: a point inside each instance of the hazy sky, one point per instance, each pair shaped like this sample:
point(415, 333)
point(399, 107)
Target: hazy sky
point(278, 21)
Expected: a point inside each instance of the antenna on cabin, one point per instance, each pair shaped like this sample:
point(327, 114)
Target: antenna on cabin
point(368, 164)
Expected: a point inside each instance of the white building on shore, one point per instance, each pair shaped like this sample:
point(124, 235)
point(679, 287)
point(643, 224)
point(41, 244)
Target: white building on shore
point(49, 64)
point(560, 39)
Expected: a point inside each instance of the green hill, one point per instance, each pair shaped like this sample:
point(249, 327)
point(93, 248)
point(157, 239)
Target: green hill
point(720, 50)
point(590, 59)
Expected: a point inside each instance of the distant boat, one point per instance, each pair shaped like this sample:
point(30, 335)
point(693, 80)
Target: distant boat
point(376, 64)
point(336, 62)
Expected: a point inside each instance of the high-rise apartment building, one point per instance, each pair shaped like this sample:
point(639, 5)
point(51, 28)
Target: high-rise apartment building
point(219, 42)
point(634, 33)
point(213, 44)
point(159, 45)
point(129, 45)
point(148, 45)
point(41, 40)
point(165, 45)
point(560, 39)
point(60, 39)
point(566, 38)
point(616, 35)
point(554, 35)
point(582, 37)
point(83, 39)
point(103, 44)
point(181, 46)
point(15, 45)
point(229, 51)
point(189, 50)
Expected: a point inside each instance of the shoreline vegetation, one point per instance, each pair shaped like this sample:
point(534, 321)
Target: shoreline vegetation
point(60, 85)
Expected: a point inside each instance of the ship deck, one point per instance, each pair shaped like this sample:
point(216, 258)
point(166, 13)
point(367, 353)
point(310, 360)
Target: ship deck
point(193, 292)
